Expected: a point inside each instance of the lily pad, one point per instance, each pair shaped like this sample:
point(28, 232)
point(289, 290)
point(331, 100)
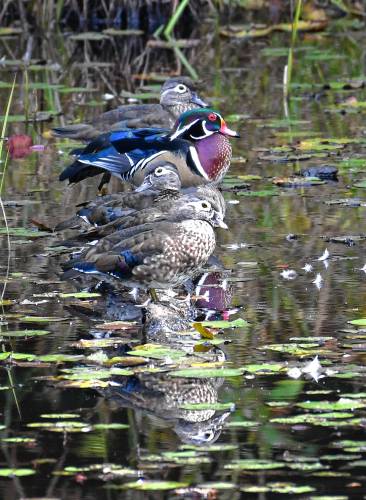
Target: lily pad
point(253, 464)
point(220, 324)
point(24, 333)
point(146, 485)
point(16, 472)
point(40, 319)
point(361, 184)
point(111, 426)
point(79, 295)
point(61, 426)
point(340, 405)
point(19, 440)
point(59, 415)
point(22, 232)
point(280, 487)
point(358, 322)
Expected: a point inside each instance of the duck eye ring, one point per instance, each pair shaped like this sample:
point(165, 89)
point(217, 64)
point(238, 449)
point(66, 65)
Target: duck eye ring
point(212, 117)
point(205, 205)
point(181, 88)
point(159, 171)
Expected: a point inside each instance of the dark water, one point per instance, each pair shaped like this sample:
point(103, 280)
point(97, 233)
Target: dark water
point(272, 230)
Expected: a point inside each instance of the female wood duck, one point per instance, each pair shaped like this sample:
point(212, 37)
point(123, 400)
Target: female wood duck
point(198, 146)
point(177, 95)
point(163, 397)
point(167, 206)
point(155, 255)
point(161, 182)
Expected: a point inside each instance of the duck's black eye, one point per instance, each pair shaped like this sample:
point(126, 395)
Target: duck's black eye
point(159, 171)
point(181, 88)
point(205, 205)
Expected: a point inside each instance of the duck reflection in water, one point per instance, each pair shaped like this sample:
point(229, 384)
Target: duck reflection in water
point(161, 396)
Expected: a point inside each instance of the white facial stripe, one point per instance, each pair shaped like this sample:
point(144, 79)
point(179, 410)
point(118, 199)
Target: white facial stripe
point(207, 133)
point(196, 161)
point(180, 130)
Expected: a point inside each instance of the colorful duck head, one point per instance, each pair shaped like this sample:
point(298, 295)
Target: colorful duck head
point(198, 124)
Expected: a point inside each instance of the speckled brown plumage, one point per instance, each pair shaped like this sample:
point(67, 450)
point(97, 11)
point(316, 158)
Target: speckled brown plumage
point(156, 255)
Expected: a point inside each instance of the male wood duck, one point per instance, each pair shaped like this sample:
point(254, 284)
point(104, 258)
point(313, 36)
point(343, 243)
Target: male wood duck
point(198, 146)
point(155, 255)
point(161, 182)
point(177, 95)
point(167, 206)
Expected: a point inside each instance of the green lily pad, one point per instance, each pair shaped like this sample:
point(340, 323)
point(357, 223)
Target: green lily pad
point(236, 323)
point(265, 368)
point(59, 415)
point(18, 440)
point(6, 302)
point(313, 466)
point(22, 232)
point(307, 418)
point(93, 374)
point(259, 194)
point(16, 472)
point(40, 319)
point(58, 358)
point(156, 352)
point(252, 464)
point(111, 426)
point(79, 295)
point(146, 485)
point(329, 497)
point(219, 485)
point(361, 184)
point(295, 349)
point(61, 426)
point(24, 333)
point(358, 322)
point(241, 424)
point(340, 405)
point(279, 487)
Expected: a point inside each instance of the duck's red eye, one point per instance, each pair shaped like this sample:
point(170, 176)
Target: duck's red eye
point(212, 117)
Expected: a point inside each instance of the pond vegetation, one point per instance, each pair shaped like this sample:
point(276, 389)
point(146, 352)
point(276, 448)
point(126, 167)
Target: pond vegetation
point(255, 388)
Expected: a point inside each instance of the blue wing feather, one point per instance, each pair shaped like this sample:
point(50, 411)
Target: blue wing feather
point(120, 153)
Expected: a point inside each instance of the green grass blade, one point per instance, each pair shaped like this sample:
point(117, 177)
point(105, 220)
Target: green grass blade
point(290, 59)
